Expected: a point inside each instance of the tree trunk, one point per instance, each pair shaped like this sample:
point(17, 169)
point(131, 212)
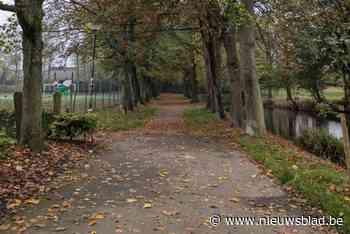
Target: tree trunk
point(18, 101)
point(136, 84)
point(345, 123)
point(30, 16)
point(77, 82)
point(230, 44)
point(128, 103)
point(194, 81)
point(255, 121)
point(212, 57)
point(147, 89)
point(186, 84)
point(290, 96)
point(210, 99)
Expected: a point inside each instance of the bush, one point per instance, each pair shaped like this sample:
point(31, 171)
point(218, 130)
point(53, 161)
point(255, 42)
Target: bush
point(70, 125)
point(5, 143)
point(320, 143)
point(8, 122)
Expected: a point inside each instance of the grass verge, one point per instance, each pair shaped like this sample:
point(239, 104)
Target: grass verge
point(322, 183)
point(115, 120)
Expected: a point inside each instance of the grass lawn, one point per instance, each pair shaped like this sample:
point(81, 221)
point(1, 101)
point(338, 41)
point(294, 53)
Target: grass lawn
point(116, 120)
point(331, 93)
point(6, 101)
point(322, 183)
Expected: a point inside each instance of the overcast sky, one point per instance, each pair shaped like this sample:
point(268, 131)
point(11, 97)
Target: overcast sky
point(3, 14)
point(3, 18)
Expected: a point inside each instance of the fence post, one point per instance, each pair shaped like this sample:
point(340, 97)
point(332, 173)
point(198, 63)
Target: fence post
point(57, 103)
point(18, 101)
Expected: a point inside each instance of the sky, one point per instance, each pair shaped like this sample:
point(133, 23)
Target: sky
point(3, 18)
point(3, 14)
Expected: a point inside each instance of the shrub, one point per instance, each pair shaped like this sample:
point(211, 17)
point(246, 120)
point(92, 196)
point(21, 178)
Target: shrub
point(8, 122)
point(70, 125)
point(5, 143)
point(322, 144)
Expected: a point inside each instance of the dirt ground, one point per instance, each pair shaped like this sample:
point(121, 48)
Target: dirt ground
point(160, 180)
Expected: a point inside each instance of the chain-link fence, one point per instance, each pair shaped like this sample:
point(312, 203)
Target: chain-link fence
point(77, 96)
point(82, 96)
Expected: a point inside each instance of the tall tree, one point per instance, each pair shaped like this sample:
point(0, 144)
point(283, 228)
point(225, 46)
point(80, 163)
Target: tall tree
point(252, 101)
point(230, 41)
point(211, 35)
point(30, 17)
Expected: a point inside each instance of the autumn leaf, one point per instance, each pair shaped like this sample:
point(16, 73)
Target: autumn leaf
point(15, 203)
point(163, 173)
point(235, 200)
point(32, 201)
point(5, 227)
point(147, 205)
point(131, 200)
point(92, 222)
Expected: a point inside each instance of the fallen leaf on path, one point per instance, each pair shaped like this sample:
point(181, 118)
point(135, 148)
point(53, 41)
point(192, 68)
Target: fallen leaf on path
point(5, 227)
point(66, 205)
point(236, 200)
point(60, 229)
point(15, 203)
point(170, 213)
point(99, 216)
point(92, 222)
point(131, 200)
point(163, 173)
point(32, 201)
point(147, 205)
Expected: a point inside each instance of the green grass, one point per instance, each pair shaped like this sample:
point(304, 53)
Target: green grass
point(6, 101)
point(320, 182)
point(197, 117)
point(312, 179)
point(331, 93)
point(115, 120)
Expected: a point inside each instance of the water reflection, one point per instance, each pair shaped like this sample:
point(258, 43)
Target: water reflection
point(291, 125)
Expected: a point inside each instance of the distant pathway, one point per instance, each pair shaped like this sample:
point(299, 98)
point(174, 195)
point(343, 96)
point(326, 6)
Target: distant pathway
point(159, 180)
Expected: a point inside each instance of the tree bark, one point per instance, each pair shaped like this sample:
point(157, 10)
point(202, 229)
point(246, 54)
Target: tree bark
point(147, 88)
point(136, 84)
point(77, 82)
point(128, 103)
point(255, 121)
point(30, 16)
point(194, 81)
point(211, 98)
point(230, 44)
point(212, 56)
point(346, 138)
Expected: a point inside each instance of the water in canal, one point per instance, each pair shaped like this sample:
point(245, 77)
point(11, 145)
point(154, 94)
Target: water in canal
point(291, 125)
